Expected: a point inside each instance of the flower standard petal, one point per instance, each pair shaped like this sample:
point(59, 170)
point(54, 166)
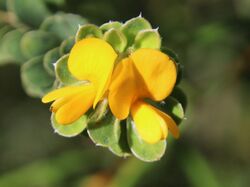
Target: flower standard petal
point(93, 59)
point(122, 90)
point(150, 126)
point(76, 107)
point(156, 71)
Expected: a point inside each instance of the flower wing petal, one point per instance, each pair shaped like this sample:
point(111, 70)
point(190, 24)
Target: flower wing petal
point(93, 59)
point(156, 71)
point(76, 107)
point(62, 92)
point(150, 126)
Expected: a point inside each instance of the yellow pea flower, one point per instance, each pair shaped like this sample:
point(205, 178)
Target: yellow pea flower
point(146, 73)
point(91, 60)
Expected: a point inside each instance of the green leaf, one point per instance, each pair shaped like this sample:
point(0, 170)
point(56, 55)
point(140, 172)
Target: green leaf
point(35, 79)
point(62, 71)
point(69, 130)
point(36, 43)
point(148, 38)
point(10, 48)
point(142, 150)
point(117, 39)
point(49, 60)
point(121, 148)
point(63, 25)
point(105, 132)
point(29, 11)
point(88, 30)
point(133, 26)
point(110, 25)
point(67, 45)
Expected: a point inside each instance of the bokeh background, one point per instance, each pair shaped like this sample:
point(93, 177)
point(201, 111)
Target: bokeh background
point(212, 39)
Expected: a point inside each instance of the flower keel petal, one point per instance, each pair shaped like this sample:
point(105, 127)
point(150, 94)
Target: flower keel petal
point(76, 107)
point(150, 126)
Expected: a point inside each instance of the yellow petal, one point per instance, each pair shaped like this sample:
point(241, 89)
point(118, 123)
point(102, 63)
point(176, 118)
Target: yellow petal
point(171, 125)
point(157, 72)
point(62, 92)
point(76, 107)
point(122, 90)
point(93, 59)
point(60, 102)
point(150, 126)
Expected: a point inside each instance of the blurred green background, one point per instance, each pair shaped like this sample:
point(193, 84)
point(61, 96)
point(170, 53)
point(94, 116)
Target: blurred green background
point(212, 39)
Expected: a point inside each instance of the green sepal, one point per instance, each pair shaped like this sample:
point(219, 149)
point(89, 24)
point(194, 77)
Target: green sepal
point(116, 39)
point(69, 130)
point(10, 51)
point(67, 45)
point(180, 69)
point(106, 131)
point(142, 150)
point(100, 111)
point(149, 38)
point(29, 11)
point(63, 25)
point(88, 30)
point(118, 145)
point(131, 28)
point(121, 148)
point(50, 59)
point(110, 25)
point(35, 79)
point(36, 43)
point(178, 94)
point(62, 71)
point(171, 54)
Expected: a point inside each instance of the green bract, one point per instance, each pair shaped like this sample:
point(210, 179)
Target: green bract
point(69, 130)
point(36, 80)
point(117, 39)
point(32, 43)
point(62, 72)
point(142, 150)
point(88, 30)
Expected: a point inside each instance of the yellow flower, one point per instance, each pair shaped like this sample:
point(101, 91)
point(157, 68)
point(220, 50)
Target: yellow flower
point(146, 73)
point(90, 60)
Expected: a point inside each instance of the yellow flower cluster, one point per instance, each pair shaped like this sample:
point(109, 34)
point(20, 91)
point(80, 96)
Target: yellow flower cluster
point(145, 73)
